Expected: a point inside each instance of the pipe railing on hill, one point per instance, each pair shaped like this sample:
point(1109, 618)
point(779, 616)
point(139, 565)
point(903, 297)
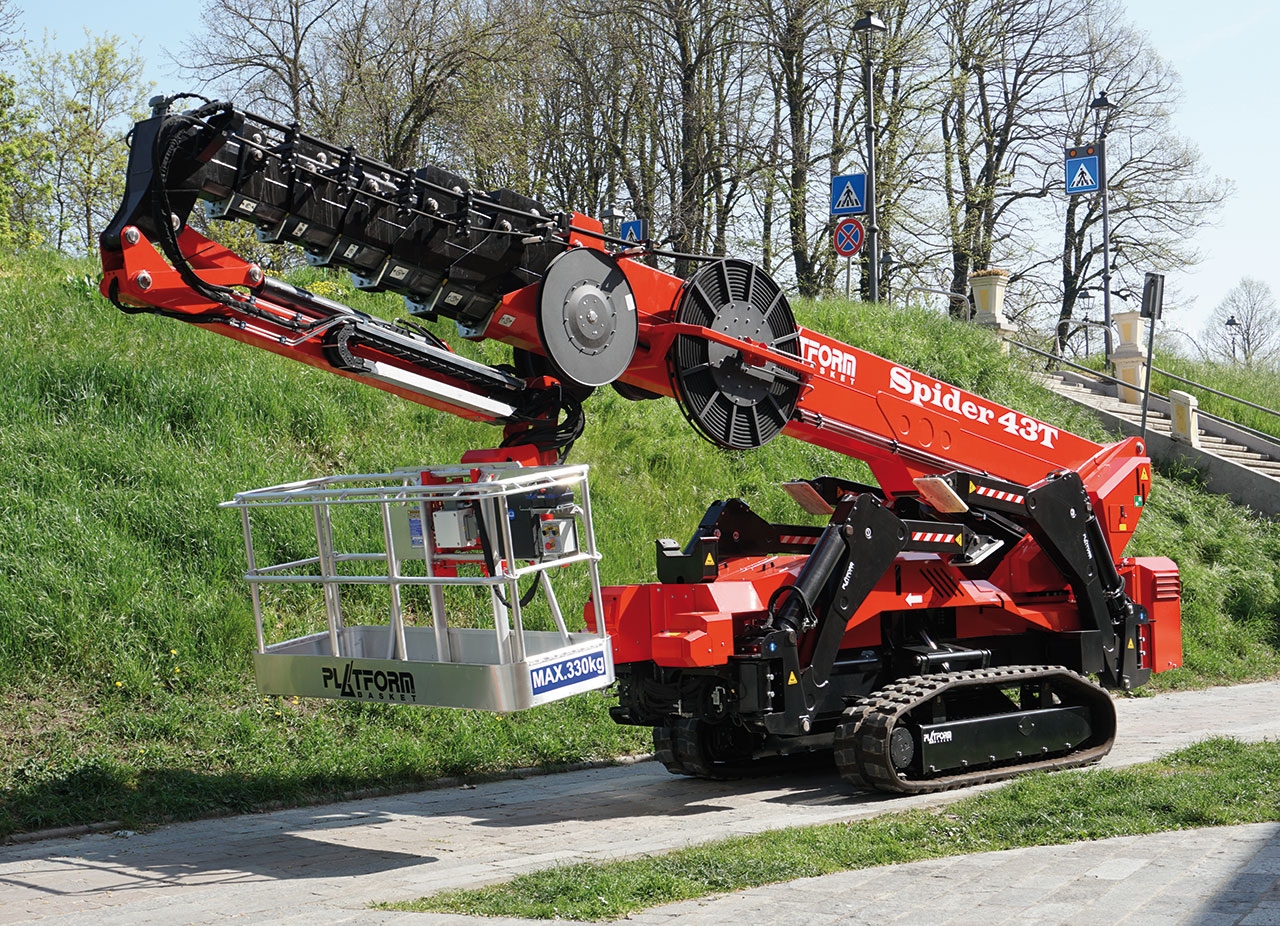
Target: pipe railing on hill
point(1225, 395)
point(950, 294)
point(1253, 432)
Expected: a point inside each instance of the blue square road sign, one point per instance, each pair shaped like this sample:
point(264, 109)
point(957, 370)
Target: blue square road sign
point(633, 232)
point(849, 194)
point(1083, 169)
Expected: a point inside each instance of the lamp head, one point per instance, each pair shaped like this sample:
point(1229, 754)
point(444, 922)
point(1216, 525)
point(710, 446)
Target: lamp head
point(870, 23)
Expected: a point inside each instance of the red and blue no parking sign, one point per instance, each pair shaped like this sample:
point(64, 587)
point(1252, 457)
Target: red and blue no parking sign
point(848, 237)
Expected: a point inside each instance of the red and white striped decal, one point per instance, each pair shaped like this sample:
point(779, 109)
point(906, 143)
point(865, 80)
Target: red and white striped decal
point(797, 539)
point(999, 496)
point(934, 537)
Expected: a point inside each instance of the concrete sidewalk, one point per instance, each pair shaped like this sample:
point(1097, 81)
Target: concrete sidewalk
point(329, 863)
point(1213, 877)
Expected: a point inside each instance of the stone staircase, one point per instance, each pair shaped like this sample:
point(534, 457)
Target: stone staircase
point(1232, 461)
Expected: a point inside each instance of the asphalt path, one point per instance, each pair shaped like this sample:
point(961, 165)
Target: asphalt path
point(328, 864)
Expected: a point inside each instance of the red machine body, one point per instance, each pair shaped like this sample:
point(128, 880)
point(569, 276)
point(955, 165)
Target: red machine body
point(986, 568)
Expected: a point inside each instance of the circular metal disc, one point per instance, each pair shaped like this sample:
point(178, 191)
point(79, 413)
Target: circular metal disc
point(587, 317)
point(734, 403)
point(902, 748)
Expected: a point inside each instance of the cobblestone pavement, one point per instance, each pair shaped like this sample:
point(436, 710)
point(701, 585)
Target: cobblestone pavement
point(329, 863)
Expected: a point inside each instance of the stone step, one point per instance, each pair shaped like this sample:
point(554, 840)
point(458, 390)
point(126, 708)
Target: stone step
point(1238, 453)
point(1260, 463)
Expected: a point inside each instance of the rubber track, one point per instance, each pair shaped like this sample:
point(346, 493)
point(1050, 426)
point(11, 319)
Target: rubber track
point(845, 744)
point(679, 746)
point(664, 750)
point(862, 751)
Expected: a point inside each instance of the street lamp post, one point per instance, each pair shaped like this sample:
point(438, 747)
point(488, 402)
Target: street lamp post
point(868, 25)
point(1232, 325)
point(613, 217)
point(1086, 299)
point(1100, 106)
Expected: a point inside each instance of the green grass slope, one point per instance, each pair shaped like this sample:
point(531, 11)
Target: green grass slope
point(1257, 384)
point(125, 627)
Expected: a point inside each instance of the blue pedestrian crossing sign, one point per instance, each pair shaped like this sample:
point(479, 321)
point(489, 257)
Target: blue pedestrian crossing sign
point(633, 232)
point(1083, 168)
point(849, 194)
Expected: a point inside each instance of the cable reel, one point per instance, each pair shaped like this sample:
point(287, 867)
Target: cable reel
point(587, 318)
point(734, 403)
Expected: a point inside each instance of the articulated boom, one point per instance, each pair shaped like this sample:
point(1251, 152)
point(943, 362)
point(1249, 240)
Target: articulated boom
point(935, 632)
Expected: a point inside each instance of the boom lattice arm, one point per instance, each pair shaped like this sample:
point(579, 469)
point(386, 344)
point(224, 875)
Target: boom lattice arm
point(723, 343)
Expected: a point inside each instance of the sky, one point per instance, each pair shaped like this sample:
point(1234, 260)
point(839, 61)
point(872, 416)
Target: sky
point(1226, 56)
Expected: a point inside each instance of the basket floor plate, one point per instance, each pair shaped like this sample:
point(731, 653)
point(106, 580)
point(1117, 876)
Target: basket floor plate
point(479, 680)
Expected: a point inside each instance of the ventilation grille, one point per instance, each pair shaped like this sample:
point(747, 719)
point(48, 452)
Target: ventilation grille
point(1167, 587)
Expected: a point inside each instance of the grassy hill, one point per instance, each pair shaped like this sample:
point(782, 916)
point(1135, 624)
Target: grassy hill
point(125, 627)
point(1256, 384)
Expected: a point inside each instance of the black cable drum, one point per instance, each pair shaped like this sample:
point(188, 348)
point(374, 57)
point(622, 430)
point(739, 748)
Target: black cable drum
point(733, 403)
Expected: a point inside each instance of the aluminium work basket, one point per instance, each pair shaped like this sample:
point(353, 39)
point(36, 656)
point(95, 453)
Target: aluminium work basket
point(405, 541)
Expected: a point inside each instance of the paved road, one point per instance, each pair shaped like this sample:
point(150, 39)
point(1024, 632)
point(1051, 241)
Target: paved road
point(328, 863)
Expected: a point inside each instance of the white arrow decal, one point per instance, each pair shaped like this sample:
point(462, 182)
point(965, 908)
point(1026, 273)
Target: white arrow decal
point(915, 599)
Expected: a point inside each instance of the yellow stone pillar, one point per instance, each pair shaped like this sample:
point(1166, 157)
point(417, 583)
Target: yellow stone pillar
point(1186, 417)
point(1128, 357)
point(989, 287)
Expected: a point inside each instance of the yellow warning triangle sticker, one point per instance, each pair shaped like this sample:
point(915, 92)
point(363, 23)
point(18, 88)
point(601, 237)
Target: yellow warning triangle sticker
point(1130, 644)
point(972, 488)
point(1144, 474)
point(711, 560)
point(792, 680)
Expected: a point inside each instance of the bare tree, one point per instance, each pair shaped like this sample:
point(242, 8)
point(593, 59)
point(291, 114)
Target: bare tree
point(793, 34)
point(1159, 186)
point(909, 86)
point(10, 29)
point(398, 68)
point(691, 47)
point(591, 132)
point(265, 54)
point(718, 121)
point(1007, 58)
point(1245, 325)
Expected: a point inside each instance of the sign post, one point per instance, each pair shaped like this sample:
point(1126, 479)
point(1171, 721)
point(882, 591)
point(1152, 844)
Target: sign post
point(1085, 171)
point(1152, 307)
point(848, 238)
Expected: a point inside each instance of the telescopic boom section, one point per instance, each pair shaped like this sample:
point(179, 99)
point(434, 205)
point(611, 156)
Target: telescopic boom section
point(581, 311)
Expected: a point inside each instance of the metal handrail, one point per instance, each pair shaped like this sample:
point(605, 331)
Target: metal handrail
point(968, 306)
point(1252, 432)
point(1065, 362)
point(1225, 395)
